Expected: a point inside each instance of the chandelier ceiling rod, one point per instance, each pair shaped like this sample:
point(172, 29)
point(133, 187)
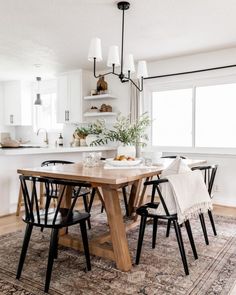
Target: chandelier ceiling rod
point(126, 65)
point(190, 72)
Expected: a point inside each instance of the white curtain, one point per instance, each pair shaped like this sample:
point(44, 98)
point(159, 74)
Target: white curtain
point(135, 107)
point(135, 102)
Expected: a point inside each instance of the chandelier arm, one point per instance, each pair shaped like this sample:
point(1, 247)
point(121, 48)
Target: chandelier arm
point(139, 88)
point(100, 75)
point(94, 68)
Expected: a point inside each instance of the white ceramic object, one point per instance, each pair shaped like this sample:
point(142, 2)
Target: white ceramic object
point(153, 155)
point(82, 142)
point(90, 138)
point(126, 150)
point(126, 163)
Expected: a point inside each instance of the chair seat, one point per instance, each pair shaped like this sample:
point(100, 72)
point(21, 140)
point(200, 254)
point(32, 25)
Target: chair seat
point(143, 210)
point(47, 220)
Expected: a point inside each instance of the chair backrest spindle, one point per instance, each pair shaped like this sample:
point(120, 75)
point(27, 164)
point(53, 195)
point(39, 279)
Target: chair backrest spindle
point(30, 194)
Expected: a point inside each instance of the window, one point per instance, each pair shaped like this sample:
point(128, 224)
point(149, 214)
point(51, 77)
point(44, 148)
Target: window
point(172, 118)
point(215, 116)
point(45, 115)
point(201, 116)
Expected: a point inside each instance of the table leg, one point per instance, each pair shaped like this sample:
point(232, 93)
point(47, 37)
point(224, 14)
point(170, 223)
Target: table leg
point(117, 229)
point(134, 195)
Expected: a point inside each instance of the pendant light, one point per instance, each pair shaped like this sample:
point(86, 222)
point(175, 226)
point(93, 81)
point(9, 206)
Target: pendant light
point(38, 100)
point(126, 64)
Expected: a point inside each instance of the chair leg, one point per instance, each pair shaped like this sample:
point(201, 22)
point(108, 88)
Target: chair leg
point(93, 192)
point(140, 238)
point(154, 233)
point(190, 236)
point(212, 222)
point(204, 228)
point(168, 228)
point(28, 232)
point(51, 255)
point(125, 201)
point(86, 209)
point(181, 246)
point(85, 244)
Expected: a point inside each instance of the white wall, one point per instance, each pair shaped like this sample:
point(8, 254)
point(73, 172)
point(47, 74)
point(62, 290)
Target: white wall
point(4, 128)
point(226, 175)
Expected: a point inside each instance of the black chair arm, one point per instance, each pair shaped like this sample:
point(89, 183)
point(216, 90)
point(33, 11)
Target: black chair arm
point(156, 181)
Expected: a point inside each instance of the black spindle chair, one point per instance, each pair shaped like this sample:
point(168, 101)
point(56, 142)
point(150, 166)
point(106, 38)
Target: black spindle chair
point(145, 213)
point(84, 187)
point(54, 218)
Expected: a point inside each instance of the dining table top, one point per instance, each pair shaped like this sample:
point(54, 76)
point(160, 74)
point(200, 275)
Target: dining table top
point(101, 175)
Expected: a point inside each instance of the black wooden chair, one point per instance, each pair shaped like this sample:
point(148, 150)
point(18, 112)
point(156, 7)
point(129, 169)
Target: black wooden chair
point(84, 187)
point(53, 218)
point(145, 213)
point(209, 173)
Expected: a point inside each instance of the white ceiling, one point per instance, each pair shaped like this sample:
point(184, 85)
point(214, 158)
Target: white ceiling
point(56, 33)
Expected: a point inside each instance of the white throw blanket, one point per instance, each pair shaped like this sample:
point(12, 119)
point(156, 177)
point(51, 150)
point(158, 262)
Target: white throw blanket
point(190, 193)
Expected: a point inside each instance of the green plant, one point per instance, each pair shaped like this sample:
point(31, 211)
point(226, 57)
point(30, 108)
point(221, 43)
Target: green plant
point(92, 128)
point(125, 132)
point(82, 132)
point(96, 127)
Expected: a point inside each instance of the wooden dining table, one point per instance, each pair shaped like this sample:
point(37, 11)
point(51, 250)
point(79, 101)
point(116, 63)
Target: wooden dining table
point(112, 244)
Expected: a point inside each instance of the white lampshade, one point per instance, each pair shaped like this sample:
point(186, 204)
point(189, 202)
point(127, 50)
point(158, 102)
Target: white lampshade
point(142, 69)
point(129, 63)
point(95, 50)
point(113, 56)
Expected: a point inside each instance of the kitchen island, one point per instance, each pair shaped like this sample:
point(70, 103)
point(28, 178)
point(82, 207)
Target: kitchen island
point(15, 158)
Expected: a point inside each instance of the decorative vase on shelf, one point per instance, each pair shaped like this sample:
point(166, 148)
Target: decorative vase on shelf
point(101, 85)
point(82, 142)
point(126, 150)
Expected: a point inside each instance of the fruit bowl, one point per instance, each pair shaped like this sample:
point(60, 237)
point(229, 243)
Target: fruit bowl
point(123, 163)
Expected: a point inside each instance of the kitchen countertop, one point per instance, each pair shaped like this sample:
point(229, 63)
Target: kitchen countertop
point(53, 150)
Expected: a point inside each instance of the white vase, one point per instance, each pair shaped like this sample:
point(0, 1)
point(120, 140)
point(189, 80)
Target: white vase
point(126, 150)
point(82, 142)
point(91, 138)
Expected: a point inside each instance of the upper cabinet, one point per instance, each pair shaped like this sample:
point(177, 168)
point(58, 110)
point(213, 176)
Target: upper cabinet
point(71, 88)
point(17, 103)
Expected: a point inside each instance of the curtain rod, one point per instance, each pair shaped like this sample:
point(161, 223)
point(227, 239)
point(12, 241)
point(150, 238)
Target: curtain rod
point(189, 72)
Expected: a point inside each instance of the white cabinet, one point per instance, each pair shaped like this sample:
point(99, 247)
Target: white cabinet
point(71, 87)
point(17, 103)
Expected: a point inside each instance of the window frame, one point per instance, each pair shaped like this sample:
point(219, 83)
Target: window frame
point(181, 82)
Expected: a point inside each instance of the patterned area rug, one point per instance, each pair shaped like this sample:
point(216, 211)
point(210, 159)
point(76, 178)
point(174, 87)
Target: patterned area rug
point(160, 270)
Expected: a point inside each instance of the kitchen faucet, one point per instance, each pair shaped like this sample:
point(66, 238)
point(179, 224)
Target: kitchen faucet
point(46, 134)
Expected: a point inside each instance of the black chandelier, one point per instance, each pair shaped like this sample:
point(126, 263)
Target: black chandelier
point(127, 66)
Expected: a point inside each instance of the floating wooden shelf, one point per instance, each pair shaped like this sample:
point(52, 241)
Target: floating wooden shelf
point(99, 114)
point(99, 96)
